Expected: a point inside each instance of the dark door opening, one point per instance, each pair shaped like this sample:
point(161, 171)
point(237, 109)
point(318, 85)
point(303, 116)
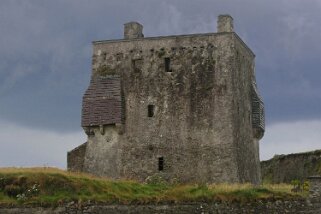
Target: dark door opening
point(160, 163)
point(168, 64)
point(151, 109)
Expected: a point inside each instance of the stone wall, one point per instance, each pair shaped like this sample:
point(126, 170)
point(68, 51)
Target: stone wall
point(285, 168)
point(243, 76)
point(186, 109)
point(258, 207)
point(191, 124)
point(311, 205)
point(103, 153)
point(76, 158)
point(197, 110)
point(315, 189)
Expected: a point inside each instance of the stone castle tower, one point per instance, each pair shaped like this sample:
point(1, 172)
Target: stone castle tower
point(184, 106)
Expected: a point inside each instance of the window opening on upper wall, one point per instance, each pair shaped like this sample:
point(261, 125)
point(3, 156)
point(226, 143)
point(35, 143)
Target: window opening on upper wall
point(151, 110)
point(137, 64)
point(167, 61)
point(160, 163)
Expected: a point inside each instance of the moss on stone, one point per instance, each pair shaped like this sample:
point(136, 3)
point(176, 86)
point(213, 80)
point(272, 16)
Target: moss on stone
point(105, 70)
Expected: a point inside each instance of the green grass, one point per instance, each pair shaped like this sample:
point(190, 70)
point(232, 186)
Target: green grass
point(50, 186)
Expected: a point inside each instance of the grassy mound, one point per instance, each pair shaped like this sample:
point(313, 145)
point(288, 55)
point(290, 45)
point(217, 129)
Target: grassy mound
point(50, 186)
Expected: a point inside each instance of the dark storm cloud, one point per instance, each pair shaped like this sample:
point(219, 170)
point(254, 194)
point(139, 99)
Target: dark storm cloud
point(46, 51)
point(45, 64)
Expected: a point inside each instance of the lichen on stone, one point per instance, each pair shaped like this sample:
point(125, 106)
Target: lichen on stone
point(105, 70)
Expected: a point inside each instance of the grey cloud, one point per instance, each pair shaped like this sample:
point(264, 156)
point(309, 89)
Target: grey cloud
point(46, 51)
point(45, 64)
point(294, 137)
point(25, 147)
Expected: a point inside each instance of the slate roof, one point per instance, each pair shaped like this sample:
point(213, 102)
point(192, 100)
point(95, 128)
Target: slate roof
point(102, 102)
point(258, 115)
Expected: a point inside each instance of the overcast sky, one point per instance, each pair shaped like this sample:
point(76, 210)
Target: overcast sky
point(45, 65)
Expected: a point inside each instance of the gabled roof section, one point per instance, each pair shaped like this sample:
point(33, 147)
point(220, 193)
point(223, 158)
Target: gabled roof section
point(102, 102)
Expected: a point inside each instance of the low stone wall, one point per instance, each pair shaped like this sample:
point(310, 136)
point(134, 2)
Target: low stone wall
point(296, 206)
point(285, 168)
point(311, 205)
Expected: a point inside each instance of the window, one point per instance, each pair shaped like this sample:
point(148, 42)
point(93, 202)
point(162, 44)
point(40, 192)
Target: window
point(137, 64)
point(151, 110)
point(160, 163)
point(168, 64)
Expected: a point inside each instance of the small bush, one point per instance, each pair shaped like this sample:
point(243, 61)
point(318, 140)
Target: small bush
point(2, 184)
point(4, 181)
point(13, 190)
point(33, 191)
point(306, 186)
point(300, 186)
point(21, 180)
point(21, 197)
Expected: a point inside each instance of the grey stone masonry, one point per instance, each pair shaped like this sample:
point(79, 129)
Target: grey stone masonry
point(133, 30)
point(181, 106)
point(315, 189)
point(75, 160)
point(225, 24)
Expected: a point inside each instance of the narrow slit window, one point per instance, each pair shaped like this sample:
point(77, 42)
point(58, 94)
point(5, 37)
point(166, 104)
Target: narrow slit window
point(133, 63)
point(137, 64)
point(151, 110)
point(168, 65)
point(160, 163)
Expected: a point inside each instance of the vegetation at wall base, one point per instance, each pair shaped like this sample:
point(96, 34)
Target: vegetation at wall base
point(52, 187)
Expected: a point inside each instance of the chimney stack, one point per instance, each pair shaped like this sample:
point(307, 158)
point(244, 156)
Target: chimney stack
point(133, 30)
point(224, 23)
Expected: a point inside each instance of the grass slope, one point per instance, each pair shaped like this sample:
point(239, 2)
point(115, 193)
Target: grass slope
point(50, 186)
